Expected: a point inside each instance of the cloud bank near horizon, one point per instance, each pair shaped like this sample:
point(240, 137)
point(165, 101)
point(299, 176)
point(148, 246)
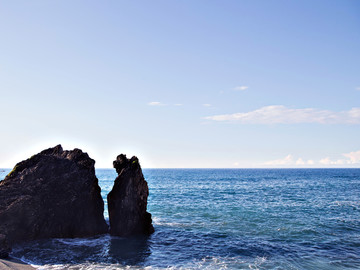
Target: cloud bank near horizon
point(350, 159)
point(279, 114)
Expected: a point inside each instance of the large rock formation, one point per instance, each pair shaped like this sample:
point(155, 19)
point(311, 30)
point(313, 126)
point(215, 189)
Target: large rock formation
point(53, 194)
point(127, 201)
point(4, 247)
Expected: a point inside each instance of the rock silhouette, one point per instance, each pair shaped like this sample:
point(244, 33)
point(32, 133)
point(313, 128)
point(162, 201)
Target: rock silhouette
point(4, 247)
point(127, 201)
point(54, 194)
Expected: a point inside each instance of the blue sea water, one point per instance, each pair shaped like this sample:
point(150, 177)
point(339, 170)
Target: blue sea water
point(226, 219)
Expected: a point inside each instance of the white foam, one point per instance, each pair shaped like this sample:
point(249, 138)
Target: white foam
point(257, 263)
point(90, 242)
point(162, 222)
point(209, 263)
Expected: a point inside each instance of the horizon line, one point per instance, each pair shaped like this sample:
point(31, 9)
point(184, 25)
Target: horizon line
point(228, 168)
point(225, 168)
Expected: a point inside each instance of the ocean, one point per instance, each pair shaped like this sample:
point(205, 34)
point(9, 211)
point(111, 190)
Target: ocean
point(226, 219)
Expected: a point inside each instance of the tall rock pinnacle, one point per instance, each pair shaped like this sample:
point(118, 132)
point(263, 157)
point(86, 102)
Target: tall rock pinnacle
point(127, 201)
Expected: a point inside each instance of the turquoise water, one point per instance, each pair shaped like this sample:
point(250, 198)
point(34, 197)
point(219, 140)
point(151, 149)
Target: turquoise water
point(227, 219)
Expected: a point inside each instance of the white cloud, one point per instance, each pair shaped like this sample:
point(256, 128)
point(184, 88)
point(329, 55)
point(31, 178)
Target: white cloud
point(325, 161)
point(310, 162)
point(207, 105)
point(155, 103)
point(341, 162)
point(241, 88)
point(300, 161)
point(278, 114)
point(353, 156)
point(358, 88)
point(288, 160)
point(328, 161)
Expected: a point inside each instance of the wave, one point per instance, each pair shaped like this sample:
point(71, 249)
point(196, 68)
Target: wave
point(209, 263)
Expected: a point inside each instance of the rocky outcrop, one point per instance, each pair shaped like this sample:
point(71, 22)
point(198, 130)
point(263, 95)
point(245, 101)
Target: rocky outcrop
point(53, 194)
point(4, 247)
point(127, 201)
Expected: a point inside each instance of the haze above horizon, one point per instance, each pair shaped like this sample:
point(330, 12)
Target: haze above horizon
point(183, 84)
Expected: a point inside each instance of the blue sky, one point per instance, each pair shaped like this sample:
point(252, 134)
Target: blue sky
point(221, 84)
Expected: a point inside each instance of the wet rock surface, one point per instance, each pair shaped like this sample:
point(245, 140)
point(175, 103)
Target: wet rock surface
point(127, 201)
point(54, 194)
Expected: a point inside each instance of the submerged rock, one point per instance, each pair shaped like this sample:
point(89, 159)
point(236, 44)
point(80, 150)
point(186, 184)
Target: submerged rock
point(127, 201)
point(54, 194)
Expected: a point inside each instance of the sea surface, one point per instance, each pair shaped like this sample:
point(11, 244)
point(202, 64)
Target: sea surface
point(226, 219)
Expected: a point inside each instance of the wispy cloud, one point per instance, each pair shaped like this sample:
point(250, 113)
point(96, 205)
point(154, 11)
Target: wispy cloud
point(278, 114)
point(156, 103)
point(358, 88)
point(241, 88)
point(207, 105)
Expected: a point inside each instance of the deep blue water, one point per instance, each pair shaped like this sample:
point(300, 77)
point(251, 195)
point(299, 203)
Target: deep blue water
point(227, 219)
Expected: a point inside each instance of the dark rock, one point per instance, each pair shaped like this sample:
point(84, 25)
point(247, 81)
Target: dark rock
point(54, 194)
point(127, 201)
point(4, 247)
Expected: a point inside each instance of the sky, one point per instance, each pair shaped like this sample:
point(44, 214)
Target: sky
point(183, 84)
